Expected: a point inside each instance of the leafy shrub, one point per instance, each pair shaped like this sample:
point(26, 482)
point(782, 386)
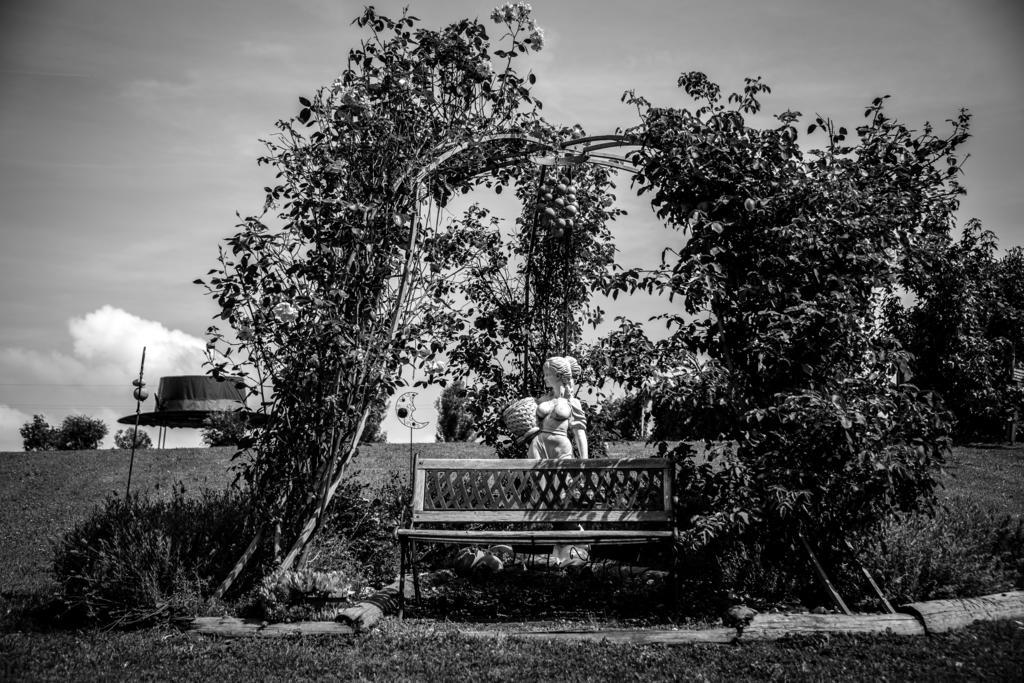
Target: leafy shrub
point(123, 439)
point(76, 433)
point(962, 328)
point(224, 428)
point(372, 433)
point(358, 535)
point(38, 435)
point(622, 417)
point(454, 421)
point(304, 594)
point(81, 433)
point(137, 560)
point(965, 550)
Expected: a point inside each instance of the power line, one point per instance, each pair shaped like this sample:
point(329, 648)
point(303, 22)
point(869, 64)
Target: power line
point(59, 405)
point(30, 384)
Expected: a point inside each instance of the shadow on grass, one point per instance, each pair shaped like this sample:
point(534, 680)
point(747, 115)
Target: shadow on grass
point(592, 593)
point(34, 611)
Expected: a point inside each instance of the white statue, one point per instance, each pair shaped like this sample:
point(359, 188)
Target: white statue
point(550, 421)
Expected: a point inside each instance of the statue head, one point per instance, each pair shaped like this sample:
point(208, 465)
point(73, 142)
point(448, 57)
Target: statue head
point(565, 369)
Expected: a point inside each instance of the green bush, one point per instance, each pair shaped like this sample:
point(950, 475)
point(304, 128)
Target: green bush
point(138, 560)
point(81, 433)
point(123, 439)
point(965, 550)
point(224, 428)
point(76, 433)
point(38, 435)
point(358, 536)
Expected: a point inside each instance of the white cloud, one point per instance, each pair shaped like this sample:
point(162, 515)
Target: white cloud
point(112, 338)
point(95, 378)
point(11, 420)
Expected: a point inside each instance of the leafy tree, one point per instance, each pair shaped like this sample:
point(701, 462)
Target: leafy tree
point(80, 433)
point(964, 327)
point(328, 291)
point(373, 433)
point(38, 435)
point(224, 428)
point(454, 422)
point(349, 274)
point(123, 439)
point(787, 254)
point(623, 416)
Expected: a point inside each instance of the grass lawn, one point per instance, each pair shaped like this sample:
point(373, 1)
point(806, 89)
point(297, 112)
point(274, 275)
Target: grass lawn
point(41, 495)
point(428, 651)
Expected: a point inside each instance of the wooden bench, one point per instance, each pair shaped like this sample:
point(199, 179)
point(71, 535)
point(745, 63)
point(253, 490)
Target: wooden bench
point(631, 499)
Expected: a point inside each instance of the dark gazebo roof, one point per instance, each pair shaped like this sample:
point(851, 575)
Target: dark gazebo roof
point(187, 400)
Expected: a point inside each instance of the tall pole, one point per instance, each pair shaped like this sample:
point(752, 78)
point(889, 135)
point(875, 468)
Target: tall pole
point(140, 396)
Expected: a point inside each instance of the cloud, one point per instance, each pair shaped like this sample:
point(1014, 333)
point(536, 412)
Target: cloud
point(95, 378)
point(11, 420)
point(112, 338)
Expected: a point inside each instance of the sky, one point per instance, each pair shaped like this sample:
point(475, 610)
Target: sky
point(129, 132)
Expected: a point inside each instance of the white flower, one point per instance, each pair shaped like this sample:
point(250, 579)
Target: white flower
point(435, 366)
point(508, 12)
point(537, 39)
point(353, 98)
point(284, 312)
point(484, 70)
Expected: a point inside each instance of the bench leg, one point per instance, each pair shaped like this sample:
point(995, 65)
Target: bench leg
point(673, 574)
point(401, 577)
point(415, 571)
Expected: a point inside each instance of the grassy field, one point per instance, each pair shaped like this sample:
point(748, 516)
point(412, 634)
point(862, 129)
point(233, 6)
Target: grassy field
point(44, 494)
point(41, 495)
point(430, 652)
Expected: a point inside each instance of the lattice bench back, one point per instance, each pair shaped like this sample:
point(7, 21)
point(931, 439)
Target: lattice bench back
point(605, 490)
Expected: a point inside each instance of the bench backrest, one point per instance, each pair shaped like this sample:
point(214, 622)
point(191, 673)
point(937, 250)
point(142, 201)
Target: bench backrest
point(569, 490)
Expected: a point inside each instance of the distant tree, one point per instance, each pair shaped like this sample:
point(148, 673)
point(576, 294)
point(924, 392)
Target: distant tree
point(38, 435)
point(80, 433)
point(123, 439)
point(454, 422)
point(372, 433)
point(965, 328)
point(224, 428)
point(622, 416)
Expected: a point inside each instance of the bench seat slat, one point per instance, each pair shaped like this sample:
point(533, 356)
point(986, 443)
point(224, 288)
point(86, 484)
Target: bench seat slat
point(597, 536)
point(535, 516)
point(566, 463)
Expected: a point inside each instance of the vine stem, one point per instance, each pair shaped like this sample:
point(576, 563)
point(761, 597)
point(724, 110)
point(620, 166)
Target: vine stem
point(313, 522)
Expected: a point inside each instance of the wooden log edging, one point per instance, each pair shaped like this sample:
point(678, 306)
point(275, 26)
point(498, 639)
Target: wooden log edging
point(773, 626)
point(916, 619)
point(358, 618)
point(939, 616)
point(720, 635)
point(761, 627)
point(232, 627)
